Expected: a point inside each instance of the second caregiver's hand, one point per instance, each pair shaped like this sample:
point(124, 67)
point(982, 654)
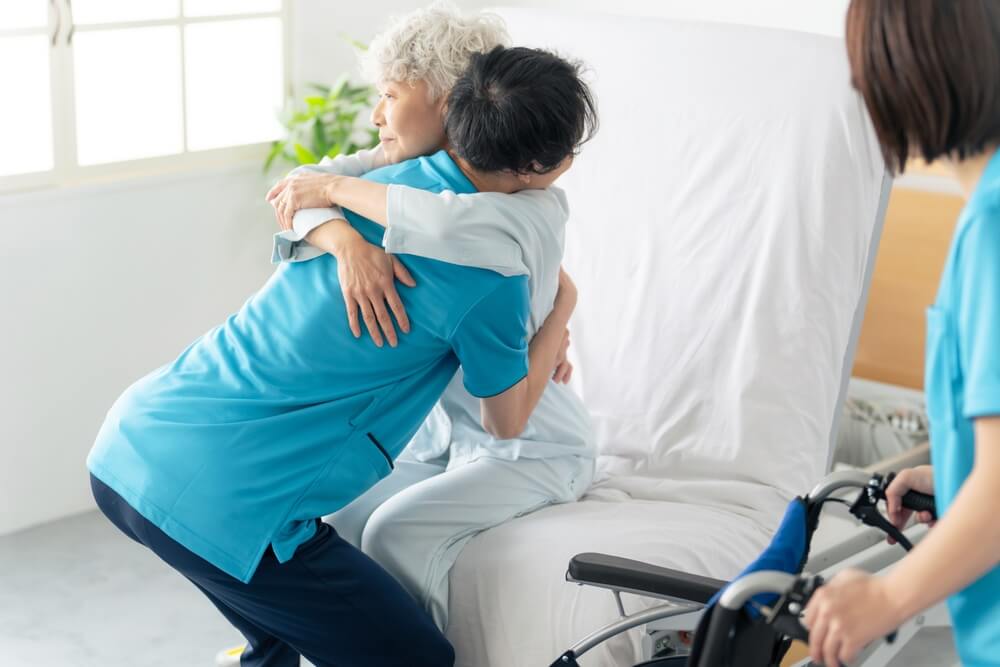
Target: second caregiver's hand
point(846, 614)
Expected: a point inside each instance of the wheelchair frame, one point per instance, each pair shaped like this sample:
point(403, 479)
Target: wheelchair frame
point(685, 595)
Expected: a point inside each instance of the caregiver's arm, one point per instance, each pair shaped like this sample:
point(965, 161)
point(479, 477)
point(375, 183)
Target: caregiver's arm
point(962, 547)
point(367, 276)
point(506, 414)
point(965, 542)
point(364, 270)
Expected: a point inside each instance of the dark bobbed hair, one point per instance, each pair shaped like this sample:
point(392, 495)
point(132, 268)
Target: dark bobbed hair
point(929, 73)
point(519, 109)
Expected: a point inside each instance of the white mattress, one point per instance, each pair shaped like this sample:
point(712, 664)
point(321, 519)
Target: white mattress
point(511, 604)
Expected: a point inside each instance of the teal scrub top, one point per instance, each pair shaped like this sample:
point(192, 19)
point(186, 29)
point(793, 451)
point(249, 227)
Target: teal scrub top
point(279, 415)
point(962, 383)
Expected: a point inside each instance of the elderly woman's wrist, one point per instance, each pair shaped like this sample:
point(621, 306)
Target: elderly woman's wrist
point(332, 187)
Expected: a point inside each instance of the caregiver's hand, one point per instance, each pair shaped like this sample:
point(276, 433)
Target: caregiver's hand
point(920, 478)
point(293, 193)
point(367, 279)
point(564, 368)
point(847, 613)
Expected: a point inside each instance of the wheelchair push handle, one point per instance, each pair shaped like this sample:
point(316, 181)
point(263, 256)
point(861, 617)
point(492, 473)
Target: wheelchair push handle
point(786, 616)
point(919, 502)
point(913, 500)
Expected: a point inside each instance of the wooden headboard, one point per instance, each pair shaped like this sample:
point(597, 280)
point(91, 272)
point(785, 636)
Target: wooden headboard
point(914, 246)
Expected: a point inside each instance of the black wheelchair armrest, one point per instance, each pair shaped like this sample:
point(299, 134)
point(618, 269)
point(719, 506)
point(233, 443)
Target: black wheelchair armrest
point(637, 577)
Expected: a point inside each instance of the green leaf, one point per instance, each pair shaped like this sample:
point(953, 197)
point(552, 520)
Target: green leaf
point(339, 87)
point(319, 138)
point(276, 148)
point(304, 155)
point(328, 120)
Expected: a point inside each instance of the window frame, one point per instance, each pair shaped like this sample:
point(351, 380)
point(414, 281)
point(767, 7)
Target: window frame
point(66, 171)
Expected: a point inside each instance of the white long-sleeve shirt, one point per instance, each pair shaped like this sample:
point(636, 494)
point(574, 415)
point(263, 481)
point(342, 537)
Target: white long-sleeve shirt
point(512, 234)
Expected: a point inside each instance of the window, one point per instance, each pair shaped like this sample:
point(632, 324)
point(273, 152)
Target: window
point(100, 87)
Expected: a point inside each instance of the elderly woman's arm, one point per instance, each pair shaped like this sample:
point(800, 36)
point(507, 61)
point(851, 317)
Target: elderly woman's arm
point(303, 219)
point(487, 230)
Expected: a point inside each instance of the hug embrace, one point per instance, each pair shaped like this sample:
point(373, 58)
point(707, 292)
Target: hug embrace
point(224, 461)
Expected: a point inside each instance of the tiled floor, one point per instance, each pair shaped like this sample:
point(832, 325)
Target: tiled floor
point(77, 593)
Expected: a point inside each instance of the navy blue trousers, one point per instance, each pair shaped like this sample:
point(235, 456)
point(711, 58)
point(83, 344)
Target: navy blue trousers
point(330, 603)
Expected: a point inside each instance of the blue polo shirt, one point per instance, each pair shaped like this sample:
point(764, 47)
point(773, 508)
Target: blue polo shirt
point(279, 415)
point(963, 383)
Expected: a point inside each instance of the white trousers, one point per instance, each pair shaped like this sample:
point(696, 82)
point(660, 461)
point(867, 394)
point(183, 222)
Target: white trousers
point(416, 521)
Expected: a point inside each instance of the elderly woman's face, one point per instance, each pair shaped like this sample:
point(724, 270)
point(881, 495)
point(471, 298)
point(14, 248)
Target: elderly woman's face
point(409, 123)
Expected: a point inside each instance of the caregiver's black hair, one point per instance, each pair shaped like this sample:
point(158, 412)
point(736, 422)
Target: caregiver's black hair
point(519, 109)
point(929, 72)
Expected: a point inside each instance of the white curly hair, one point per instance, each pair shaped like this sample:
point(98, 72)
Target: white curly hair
point(434, 44)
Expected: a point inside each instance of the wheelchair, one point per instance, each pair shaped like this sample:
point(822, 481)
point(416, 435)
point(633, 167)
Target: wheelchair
point(751, 621)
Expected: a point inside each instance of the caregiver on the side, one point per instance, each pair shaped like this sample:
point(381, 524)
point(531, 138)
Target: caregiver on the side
point(929, 72)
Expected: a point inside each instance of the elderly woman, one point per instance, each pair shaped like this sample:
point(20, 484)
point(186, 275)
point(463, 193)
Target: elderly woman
point(929, 73)
point(455, 479)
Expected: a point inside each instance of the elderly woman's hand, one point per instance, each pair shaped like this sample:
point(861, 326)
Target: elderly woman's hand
point(847, 613)
point(293, 193)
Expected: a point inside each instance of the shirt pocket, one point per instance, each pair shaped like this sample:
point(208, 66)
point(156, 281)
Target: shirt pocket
point(363, 422)
point(367, 414)
point(359, 467)
point(941, 369)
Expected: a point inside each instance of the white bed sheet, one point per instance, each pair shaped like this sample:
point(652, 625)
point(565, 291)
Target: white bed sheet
point(510, 581)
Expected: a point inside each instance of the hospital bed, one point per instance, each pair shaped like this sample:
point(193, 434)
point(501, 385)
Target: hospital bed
point(723, 229)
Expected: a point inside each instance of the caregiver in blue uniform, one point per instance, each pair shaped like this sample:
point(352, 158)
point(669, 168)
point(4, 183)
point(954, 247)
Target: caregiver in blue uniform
point(929, 71)
point(222, 461)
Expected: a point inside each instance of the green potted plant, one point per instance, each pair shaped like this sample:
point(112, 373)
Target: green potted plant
point(328, 122)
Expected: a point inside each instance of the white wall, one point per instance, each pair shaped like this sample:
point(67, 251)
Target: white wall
point(102, 284)
point(321, 54)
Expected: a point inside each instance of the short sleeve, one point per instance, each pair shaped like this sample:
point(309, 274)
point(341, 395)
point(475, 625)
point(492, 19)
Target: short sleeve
point(489, 230)
point(491, 342)
point(307, 219)
point(978, 314)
